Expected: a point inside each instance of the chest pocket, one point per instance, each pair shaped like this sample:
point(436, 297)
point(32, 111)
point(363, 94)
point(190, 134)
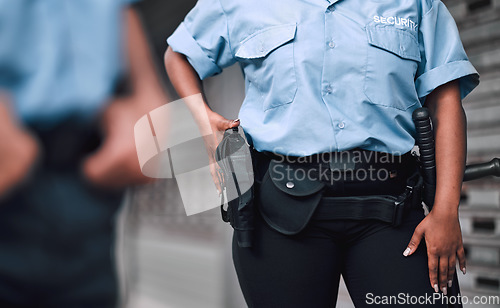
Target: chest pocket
point(392, 60)
point(268, 62)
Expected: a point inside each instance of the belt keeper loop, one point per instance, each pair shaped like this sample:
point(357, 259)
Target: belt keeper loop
point(399, 206)
point(398, 213)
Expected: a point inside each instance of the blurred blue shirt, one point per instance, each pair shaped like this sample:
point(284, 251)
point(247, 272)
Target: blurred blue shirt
point(60, 58)
point(331, 75)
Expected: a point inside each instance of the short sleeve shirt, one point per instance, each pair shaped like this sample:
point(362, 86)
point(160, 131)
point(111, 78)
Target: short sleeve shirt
point(331, 75)
point(60, 58)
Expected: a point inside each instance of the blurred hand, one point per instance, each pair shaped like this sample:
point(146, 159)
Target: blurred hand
point(115, 164)
point(18, 149)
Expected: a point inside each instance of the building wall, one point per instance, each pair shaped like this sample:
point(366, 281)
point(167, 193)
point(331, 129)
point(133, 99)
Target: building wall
point(479, 25)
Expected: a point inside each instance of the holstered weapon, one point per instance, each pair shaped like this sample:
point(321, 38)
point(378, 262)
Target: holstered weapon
point(427, 160)
point(233, 157)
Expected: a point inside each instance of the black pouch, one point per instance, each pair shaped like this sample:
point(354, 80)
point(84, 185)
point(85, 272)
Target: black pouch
point(288, 198)
point(233, 157)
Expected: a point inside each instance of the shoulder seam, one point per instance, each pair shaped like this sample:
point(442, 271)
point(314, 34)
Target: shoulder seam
point(433, 5)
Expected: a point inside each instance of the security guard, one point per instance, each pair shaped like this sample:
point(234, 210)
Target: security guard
point(60, 66)
point(337, 77)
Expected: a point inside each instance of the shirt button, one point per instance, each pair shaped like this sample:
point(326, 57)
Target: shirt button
point(331, 44)
point(341, 125)
point(290, 185)
point(328, 90)
point(330, 9)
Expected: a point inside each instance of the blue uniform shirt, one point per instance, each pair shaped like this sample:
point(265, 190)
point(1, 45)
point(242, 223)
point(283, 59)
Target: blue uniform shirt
point(59, 58)
point(324, 75)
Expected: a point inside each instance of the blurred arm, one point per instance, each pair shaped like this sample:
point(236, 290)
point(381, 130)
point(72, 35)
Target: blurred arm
point(115, 164)
point(143, 74)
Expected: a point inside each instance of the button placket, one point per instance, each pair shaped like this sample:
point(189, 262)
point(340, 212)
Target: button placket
point(329, 73)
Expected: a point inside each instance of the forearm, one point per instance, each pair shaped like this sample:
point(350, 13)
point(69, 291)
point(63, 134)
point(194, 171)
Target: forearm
point(143, 75)
point(189, 86)
point(449, 123)
point(114, 164)
point(441, 228)
point(183, 76)
point(187, 83)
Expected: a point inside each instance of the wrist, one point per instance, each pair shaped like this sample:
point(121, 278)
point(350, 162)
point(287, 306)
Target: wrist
point(445, 209)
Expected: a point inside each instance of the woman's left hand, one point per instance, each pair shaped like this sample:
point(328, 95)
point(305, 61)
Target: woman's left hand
point(443, 239)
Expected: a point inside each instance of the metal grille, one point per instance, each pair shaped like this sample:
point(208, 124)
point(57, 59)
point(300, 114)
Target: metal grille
point(479, 24)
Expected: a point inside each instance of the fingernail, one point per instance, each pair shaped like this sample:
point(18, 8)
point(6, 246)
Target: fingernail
point(450, 282)
point(406, 252)
point(463, 270)
point(445, 291)
point(237, 120)
point(436, 288)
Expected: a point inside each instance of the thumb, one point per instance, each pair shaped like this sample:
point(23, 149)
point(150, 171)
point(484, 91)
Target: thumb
point(414, 242)
point(234, 123)
point(227, 124)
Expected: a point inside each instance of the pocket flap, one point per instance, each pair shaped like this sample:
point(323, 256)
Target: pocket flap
point(397, 41)
point(293, 179)
point(288, 208)
point(261, 43)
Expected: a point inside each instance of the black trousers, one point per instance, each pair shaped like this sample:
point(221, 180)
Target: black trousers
point(57, 231)
point(304, 270)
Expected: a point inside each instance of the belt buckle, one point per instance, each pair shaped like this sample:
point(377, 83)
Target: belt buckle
point(342, 161)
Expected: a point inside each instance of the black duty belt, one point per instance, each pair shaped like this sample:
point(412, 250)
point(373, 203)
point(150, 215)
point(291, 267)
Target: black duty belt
point(67, 143)
point(386, 208)
point(288, 202)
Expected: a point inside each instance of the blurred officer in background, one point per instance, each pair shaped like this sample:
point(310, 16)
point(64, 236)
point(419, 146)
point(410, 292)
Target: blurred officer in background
point(66, 145)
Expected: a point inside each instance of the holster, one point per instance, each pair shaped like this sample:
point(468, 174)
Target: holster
point(288, 200)
point(233, 157)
